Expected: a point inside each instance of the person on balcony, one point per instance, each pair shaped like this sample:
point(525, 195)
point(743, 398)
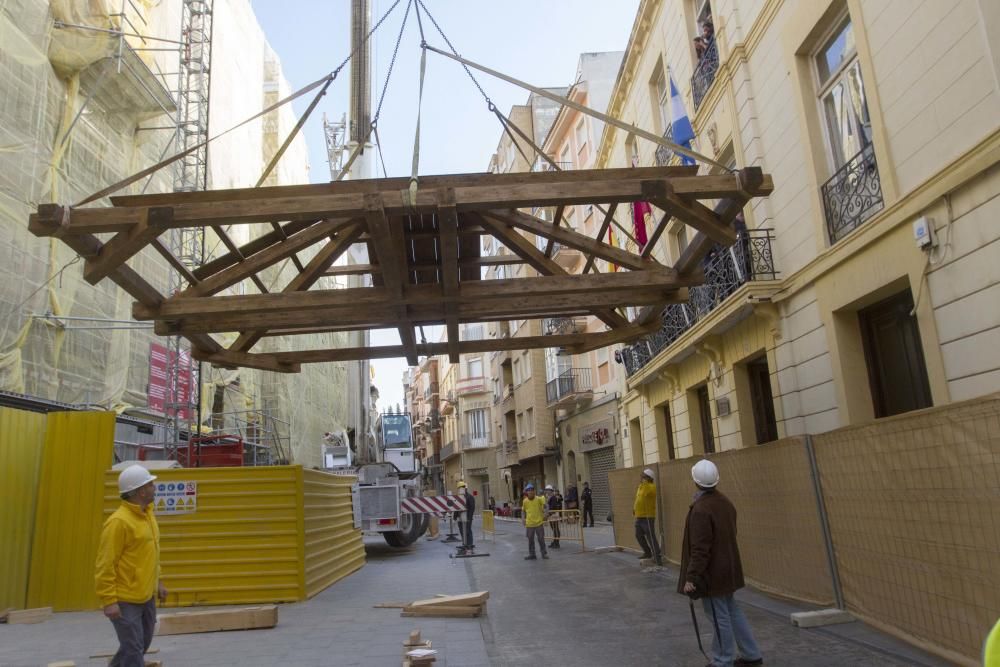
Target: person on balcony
point(700, 46)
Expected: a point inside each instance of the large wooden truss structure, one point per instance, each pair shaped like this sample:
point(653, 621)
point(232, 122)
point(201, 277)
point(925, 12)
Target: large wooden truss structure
point(425, 265)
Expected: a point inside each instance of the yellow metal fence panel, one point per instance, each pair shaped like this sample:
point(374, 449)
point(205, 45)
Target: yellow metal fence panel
point(78, 449)
point(241, 545)
point(333, 547)
point(489, 524)
point(22, 439)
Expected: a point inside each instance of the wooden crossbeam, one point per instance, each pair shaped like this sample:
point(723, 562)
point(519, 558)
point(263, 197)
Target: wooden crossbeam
point(572, 341)
point(387, 241)
point(265, 258)
point(126, 243)
point(692, 213)
point(578, 290)
point(464, 262)
point(447, 218)
point(605, 225)
point(571, 239)
point(470, 197)
point(177, 264)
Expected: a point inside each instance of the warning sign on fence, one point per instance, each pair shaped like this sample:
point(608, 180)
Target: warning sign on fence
point(176, 497)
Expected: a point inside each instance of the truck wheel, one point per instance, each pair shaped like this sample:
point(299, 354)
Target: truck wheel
point(412, 525)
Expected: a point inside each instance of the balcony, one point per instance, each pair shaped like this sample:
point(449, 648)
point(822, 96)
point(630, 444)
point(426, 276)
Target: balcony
point(853, 195)
point(449, 450)
point(565, 256)
point(448, 403)
point(475, 442)
point(664, 154)
point(430, 390)
point(507, 454)
point(432, 422)
point(704, 73)
point(726, 270)
point(570, 389)
point(476, 385)
point(563, 325)
point(474, 332)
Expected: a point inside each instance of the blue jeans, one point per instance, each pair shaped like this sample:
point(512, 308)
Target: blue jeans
point(731, 631)
point(135, 630)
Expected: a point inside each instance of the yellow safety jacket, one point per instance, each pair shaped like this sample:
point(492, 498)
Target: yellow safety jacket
point(645, 501)
point(128, 557)
point(991, 650)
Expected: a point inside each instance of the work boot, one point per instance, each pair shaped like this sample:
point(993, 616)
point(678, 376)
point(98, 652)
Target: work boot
point(645, 556)
point(747, 663)
point(533, 557)
point(555, 545)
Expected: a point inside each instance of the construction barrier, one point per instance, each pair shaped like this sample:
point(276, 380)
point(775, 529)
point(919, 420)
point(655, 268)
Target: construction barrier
point(489, 525)
point(894, 520)
point(566, 526)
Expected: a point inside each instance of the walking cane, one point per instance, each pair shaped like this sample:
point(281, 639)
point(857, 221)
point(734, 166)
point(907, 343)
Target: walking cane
point(697, 632)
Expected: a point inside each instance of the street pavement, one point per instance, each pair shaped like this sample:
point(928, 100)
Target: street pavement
point(576, 608)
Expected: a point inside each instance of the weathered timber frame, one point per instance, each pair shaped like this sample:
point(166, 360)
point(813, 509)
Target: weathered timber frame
point(424, 253)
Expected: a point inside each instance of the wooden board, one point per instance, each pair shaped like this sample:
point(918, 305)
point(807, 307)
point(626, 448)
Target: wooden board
point(455, 611)
point(246, 618)
point(24, 616)
point(463, 600)
point(111, 655)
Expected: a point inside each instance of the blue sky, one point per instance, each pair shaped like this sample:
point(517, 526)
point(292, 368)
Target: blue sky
point(536, 41)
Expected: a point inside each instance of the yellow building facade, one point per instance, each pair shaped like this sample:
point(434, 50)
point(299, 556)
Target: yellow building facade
point(866, 285)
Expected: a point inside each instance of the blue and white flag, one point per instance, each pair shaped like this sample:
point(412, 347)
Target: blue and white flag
point(680, 124)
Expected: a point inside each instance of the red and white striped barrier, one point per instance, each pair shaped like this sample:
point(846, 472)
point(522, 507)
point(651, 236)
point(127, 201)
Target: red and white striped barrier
point(432, 504)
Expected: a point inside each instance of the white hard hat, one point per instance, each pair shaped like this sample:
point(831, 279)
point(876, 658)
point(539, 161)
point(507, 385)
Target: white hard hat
point(704, 473)
point(132, 478)
point(648, 472)
point(548, 487)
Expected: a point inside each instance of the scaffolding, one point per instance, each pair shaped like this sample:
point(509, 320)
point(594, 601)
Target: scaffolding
point(336, 136)
point(183, 406)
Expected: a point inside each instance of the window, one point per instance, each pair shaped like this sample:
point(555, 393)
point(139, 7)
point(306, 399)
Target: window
point(759, 376)
point(529, 421)
point(526, 365)
point(520, 426)
point(580, 132)
point(517, 371)
point(565, 160)
point(477, 423)
point(475, 369)
point(631, 151)
point(842, 96)
point(661, 101)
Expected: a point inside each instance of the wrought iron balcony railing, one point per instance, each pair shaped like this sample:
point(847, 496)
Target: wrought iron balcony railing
point(726, 270)
point(569, 383)
point(475, 441)
point(853, 195)
point(664, 154)
point(563, 325)
point(704, 73)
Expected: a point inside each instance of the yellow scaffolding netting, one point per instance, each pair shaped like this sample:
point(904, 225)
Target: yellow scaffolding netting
point(51, 152)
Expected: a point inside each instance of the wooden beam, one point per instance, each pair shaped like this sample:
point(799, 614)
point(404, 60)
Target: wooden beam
point(691, 213)
point(317, 267)
point(572, 239)
point(447, 218)
point(556, 219)
point(528, 252)
point(189, 622)
point(177, 264)
point(127, 243)
point(473, 196)
point(250, 248)
point(583, 341)
point(228, 242)
point(605, 225)
point(749, 181)
point(265, 258)
point(352, 270)
point(387, 241)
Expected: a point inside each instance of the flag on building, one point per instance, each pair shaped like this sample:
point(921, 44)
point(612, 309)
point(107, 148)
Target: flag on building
point(679, 121)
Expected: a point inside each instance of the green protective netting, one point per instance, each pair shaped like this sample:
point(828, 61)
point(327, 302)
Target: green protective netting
point(46, 82)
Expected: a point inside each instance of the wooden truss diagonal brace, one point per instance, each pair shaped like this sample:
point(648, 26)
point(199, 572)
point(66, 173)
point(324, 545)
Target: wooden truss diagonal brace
point(315, 270)
point(692, 213)
point(609, 216)
point(538, 261)
point(127, 243)
point(572, 239)
point(250, 248)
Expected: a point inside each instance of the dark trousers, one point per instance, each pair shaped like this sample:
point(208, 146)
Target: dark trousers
point(135, 633)
point(645, 534)
point(588, 511)
point(465, 530)
point(536, 533)
point(555, 532)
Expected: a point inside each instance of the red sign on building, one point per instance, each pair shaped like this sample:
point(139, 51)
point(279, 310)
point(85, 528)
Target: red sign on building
point(164, 363)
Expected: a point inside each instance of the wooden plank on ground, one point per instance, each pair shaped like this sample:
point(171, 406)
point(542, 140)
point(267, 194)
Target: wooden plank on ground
point(463, 600)
point(245, 618)
point(111, 655)
point(25, 616)
point(445, 611)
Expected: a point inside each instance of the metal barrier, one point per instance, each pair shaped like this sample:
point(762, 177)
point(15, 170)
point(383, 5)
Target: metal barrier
point(566, 526)
point(489, 525)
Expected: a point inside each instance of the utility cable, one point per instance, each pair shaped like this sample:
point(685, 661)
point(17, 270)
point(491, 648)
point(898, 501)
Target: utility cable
point(57, 274)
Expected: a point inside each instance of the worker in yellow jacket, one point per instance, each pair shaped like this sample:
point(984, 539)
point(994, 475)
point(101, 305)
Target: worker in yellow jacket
point(644, 511)
point(128, 567)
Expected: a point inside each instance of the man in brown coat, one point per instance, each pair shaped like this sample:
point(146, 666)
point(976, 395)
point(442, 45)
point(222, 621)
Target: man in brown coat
point(711, 569)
